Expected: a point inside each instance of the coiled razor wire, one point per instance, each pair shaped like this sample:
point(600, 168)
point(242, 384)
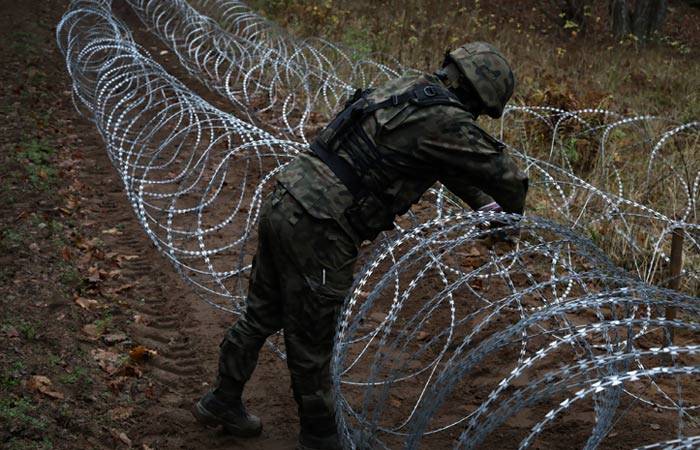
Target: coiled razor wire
point(450, 336)
point(630, 199)
point(193, 174)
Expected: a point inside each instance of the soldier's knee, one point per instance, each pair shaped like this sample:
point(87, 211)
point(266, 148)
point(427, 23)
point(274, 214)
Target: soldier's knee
point(244, 336)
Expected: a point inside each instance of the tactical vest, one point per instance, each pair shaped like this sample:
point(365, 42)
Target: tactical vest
point(371, 211)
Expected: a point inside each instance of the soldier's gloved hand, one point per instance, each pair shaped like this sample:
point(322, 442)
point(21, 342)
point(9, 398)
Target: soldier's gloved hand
point(509, 235)
point(491, 207)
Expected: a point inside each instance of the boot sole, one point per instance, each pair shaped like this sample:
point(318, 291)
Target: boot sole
point(209, 420)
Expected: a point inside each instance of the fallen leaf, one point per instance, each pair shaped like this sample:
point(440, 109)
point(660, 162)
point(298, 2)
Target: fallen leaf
point(42, 384)
point(141, 353)
point(71, 203)
point(121, 436)
point(86, 303)
point(121, 412)
point(422, 335)
point(94, 274)
point(108, 361)
point(12, 332)
point(92, 331)
point(150, 392)
point(66, 254)
point(655, 426)
point(114, 338)
point(122, 288)
point(112, 232)
point(129, 370)
point(114, 273)
point(117, 384)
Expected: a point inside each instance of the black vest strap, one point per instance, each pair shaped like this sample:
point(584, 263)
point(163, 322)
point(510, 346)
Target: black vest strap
point(356, 111)
point(342, 169)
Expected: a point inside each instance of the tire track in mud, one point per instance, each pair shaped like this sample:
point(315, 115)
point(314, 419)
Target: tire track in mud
point(166, 316)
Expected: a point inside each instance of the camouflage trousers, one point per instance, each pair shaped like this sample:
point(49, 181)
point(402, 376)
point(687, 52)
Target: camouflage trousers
point(301, 274)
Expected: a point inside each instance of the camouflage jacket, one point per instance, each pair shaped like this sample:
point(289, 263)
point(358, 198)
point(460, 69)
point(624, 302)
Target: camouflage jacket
point(419, 146)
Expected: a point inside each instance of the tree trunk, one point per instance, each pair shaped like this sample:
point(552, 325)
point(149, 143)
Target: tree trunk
point(649, 15)
point(620, 18)
point(643, 19)
point(576, 9)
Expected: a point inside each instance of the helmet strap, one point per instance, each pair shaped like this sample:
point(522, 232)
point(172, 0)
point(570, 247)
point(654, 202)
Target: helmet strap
point(455, 82)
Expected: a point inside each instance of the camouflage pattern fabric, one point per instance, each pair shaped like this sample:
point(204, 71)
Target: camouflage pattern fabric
point(488, 72)
point(301, 273)
point(418, 147)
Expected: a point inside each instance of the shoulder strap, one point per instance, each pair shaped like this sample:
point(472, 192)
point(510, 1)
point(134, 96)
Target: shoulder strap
point(356, 111)
point(420, 95)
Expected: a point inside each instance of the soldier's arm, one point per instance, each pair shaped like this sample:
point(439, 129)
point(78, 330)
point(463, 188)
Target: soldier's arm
point(467, 160)
point(475, 197)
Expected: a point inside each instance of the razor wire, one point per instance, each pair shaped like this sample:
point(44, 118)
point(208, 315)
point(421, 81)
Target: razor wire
point(193, 174)
point(435, 300)
point(628, 182)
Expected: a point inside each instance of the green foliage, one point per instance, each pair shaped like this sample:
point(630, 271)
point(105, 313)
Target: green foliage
point(359, 40)
point(11, 239)
point(27, 329)
point(24, 42)
point(10, 378)
point(20, 413)
point(570, 150)
point(54, 360)
point(103, 324)
point(79, 375)
point(70, 276)
point(36, 156)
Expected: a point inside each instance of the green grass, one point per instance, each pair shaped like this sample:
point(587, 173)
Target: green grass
point(103, 324)
point(79, 375)
point(27, 329)
point(20, 413)
point(12, 376)
point(36, 157)
point(54, 360)
point(70, 276)
point(25, 43)
point(11, 239)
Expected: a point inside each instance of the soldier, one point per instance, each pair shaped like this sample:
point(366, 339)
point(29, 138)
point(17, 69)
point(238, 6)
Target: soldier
point(370, 164)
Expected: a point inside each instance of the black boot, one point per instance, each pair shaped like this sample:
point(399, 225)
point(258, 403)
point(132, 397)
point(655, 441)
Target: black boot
point(311, 442)
point(213, 410)
point(318, 428)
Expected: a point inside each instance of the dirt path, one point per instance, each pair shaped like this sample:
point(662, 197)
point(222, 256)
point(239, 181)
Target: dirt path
point(78, 299)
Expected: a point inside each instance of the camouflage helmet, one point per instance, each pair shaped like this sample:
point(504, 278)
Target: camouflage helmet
point(488, 72)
